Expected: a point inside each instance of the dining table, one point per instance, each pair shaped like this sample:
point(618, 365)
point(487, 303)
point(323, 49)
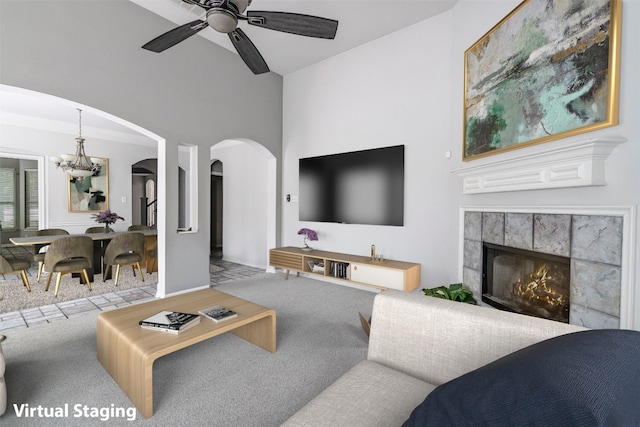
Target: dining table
point(100, 242)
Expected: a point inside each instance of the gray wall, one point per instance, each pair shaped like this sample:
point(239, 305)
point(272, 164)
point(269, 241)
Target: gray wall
point(196, 93)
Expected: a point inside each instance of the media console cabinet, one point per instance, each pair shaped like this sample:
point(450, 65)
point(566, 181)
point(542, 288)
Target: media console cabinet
point(387, 274)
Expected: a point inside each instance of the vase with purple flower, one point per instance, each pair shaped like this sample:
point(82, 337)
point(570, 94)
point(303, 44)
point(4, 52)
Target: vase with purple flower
point(107, 218)
point(308, 235)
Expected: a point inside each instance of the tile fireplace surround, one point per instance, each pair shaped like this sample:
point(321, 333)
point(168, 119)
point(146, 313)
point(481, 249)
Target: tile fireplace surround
point(597, 241)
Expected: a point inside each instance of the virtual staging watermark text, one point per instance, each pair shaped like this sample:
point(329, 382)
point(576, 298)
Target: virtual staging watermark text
point(24, 410)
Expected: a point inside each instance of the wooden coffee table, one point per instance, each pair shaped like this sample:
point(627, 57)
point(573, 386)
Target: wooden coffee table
point(127, 351)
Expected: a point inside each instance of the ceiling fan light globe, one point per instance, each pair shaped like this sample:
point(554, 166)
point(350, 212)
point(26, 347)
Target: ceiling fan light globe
point(222, 20)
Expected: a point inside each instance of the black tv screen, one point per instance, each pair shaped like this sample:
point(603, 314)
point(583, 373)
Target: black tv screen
point(360, 187)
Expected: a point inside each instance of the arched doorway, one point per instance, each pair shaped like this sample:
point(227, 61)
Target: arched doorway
point(36, 108)
point(144, 197)
point(248, 200)
point(216, 209)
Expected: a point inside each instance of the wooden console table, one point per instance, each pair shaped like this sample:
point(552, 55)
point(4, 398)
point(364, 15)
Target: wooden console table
point(127, 351)
point(388, 274)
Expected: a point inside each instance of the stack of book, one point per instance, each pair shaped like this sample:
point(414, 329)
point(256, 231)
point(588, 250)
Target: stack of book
point(339, 269)
point(170, 321)
point(218, 313)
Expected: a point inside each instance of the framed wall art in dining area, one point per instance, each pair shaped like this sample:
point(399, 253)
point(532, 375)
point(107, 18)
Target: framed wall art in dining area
point(90, 194)
point(548, 70)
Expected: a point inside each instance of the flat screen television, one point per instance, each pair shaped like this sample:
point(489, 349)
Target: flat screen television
point(359, 187)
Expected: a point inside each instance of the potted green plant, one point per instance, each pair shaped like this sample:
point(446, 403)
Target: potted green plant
point(453, 292)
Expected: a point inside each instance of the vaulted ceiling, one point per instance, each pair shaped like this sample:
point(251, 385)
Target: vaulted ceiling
point(359, 22)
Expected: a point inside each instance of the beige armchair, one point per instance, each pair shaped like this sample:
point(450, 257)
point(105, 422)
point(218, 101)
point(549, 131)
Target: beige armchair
point(17, 266)
point(73, 254)
point(124, 249)
point(39, 257)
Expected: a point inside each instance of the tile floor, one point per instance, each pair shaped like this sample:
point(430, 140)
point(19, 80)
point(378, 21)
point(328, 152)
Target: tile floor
point(63, 310)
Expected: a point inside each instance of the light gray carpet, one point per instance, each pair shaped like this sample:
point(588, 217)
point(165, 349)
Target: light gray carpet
point(15, 296)
point(224, 381)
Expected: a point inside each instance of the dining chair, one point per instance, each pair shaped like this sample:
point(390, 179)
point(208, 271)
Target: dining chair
point(39, 256)
point(154, 258)
point(124, 249)
point(17, 266)
point(92, 230)
point(73, 254)
point(138, 227)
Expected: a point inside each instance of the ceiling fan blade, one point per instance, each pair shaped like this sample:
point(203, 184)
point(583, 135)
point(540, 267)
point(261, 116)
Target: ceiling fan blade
point(175, 36)
point(248, 52)
point(294, 23)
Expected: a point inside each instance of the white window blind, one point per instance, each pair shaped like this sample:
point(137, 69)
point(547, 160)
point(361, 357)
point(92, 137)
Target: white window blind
point(31, 198)
point(8, 198)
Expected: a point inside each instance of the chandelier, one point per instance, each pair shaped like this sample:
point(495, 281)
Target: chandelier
point(78, 165)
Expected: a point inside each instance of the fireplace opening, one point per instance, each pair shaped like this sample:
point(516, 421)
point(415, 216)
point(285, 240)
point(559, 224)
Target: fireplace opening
point(526, 282)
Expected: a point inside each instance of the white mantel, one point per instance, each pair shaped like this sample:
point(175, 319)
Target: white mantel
point(550, 165)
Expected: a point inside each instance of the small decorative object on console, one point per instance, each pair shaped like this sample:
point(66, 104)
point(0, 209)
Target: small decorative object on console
point(308, 235)
point(107, 218)
point(218, 313)
point(170, 321)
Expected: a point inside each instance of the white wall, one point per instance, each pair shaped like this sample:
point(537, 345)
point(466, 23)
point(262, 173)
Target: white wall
point(49, 143)
point(396, 90)
point(407, 88)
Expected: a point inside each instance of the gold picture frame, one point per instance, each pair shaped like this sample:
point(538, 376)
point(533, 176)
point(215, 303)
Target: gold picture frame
point(92, 193)
point(544, 72)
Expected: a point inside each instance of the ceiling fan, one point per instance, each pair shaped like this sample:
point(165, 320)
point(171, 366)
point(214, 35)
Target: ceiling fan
point(223, 16)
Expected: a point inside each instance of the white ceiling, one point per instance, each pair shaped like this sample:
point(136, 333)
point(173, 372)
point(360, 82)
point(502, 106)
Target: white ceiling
point(20, 107)
point(359, 22)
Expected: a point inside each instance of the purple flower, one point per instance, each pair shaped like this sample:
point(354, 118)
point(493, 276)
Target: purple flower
point(309, 234)
point(107, 217)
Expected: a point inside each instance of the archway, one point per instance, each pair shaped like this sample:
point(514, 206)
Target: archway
point(54, 195)
point(144, 177)
point(248, 200)
point(216, 209)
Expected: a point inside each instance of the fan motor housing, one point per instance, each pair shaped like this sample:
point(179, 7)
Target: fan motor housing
point(222, 20)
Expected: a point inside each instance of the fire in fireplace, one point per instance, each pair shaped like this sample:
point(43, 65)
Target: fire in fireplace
point(526, 282)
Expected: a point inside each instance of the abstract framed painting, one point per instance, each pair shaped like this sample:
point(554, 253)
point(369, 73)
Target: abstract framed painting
point(92, 193)
point(548, 70)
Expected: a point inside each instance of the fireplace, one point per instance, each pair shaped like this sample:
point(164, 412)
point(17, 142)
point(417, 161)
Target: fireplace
point(522, 281)
point(597, 240)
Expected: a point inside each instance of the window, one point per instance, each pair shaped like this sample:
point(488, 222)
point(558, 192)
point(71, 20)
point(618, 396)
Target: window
point(31, 209)
point(8, 198)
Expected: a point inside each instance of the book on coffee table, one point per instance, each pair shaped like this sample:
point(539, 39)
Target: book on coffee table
point(170, 321)
point(218, 313)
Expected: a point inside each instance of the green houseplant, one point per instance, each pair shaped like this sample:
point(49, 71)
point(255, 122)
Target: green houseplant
point(454, 292)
